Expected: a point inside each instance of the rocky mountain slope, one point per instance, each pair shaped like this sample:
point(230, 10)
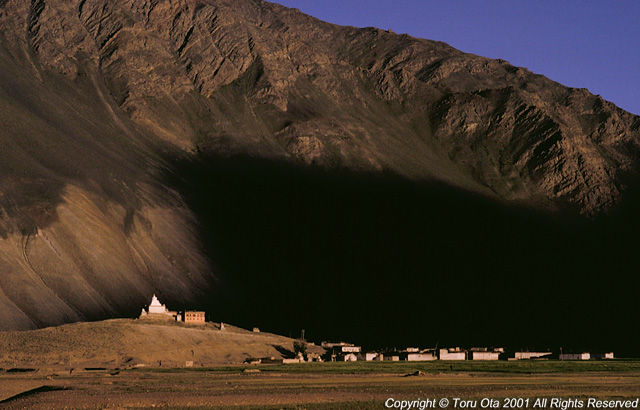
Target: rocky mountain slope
point(100, 99)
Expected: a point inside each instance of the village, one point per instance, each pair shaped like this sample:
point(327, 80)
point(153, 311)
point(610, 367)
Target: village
point(348, 352)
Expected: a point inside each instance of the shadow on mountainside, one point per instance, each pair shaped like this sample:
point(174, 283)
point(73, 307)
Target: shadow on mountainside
point(382, 261)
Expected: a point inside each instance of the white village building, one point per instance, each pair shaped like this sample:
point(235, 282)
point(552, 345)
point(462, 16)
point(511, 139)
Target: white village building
point(452, 354)
point(532, 355)
point(575, 356)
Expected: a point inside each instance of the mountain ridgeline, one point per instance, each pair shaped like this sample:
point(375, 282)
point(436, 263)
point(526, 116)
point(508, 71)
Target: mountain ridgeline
point(278, 170)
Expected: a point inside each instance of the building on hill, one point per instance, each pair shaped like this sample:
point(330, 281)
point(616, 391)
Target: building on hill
point(157, 310)
point(194, 318)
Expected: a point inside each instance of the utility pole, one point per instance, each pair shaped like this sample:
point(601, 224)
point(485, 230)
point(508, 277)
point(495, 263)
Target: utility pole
point(302, 336)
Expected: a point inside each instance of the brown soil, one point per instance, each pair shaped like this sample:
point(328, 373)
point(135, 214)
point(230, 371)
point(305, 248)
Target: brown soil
point(210, 389)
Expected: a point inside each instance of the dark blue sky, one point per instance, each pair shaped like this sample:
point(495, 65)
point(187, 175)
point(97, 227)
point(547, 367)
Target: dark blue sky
point(593, 44)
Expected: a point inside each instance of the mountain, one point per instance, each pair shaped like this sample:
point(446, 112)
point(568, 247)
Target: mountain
point(218, 151)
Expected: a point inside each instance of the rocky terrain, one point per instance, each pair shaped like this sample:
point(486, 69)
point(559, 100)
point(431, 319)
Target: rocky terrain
point(127, 128)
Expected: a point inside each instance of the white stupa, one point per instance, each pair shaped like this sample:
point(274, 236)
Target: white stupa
point(157, 308)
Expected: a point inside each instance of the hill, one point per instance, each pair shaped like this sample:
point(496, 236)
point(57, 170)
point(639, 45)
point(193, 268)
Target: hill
point(139, 342)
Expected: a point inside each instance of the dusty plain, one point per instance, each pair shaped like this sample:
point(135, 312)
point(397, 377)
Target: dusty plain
point(314, 386)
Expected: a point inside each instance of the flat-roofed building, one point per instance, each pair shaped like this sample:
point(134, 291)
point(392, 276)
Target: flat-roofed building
point(194, 318)
point(532, 355)
point(420, 357)
point(452, 354)
point(349, 357)
point(575, 356)
point(331, 345)
point(373, 357)
point(484, 355)
point(343, 351)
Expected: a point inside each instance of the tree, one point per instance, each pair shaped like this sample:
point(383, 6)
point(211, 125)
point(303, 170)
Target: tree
point(300, 347)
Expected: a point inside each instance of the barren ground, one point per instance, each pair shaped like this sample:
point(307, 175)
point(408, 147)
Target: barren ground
point(324, 386)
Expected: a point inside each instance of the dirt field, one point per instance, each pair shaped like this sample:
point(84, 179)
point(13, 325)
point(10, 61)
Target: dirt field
point(324, 386)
